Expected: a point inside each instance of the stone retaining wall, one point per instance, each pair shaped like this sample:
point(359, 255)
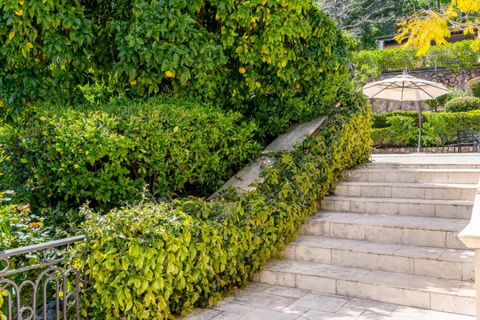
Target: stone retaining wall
point(452, 79)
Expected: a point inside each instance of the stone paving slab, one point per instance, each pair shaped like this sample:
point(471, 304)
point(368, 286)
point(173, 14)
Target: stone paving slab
point(260, 301)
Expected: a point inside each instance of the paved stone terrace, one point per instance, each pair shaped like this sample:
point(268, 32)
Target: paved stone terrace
point(267, 302)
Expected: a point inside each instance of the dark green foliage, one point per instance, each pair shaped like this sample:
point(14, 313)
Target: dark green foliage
point(43, 51)
point(276, 62)
point(380, 120)
point(371, 63)
point(474, 86)
point(463, 104)
point(441, 101)
point(402, 133)
point(171, 257)
point(447, 124)
point(106, 155)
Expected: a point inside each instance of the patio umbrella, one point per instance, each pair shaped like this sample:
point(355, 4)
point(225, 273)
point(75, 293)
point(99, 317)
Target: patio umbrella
point(406, 88)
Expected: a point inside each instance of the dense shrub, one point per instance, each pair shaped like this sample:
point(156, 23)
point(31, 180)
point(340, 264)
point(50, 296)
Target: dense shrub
point(275, 62)
point(149, 261)
point(402, 131)
point(463, 104)
point(381, 120)
point(371, 63)
point(43, 50)
point(435, 124)
point(441, 101)
point(448, 124)
point(474, 86)
point(106, 155)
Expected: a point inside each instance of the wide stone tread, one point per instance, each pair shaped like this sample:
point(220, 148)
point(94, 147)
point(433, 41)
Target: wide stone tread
point(416, 291)
point(389, 165)
point(400, 206)
point(409, 230)
point(442, 175)
point(433, 191)
point(443, 263)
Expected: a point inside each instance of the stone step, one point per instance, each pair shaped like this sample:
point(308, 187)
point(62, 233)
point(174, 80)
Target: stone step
point(422, 261)
point(408, 230)
point(461, 209)
point(410, 290)
point(434, 191)
point(390, 165)
point(462, 176)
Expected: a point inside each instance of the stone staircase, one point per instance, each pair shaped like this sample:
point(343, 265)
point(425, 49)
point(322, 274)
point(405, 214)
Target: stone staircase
point(389, 234)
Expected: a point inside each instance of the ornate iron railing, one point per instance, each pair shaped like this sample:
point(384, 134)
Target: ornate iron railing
point(37, 283)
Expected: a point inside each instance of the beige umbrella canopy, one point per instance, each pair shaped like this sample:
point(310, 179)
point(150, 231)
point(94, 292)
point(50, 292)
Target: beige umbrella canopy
point(406, 88)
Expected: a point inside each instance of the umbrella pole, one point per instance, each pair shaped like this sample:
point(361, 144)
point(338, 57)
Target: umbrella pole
point(420, 126)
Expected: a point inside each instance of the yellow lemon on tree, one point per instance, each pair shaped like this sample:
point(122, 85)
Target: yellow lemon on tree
point(29, 45)
point(168, 74)
point(133, 82)
point(242, 70)
point(19, 12)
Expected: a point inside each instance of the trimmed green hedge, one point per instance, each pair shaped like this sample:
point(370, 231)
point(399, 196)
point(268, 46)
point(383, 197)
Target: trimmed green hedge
point(371, 63)
point(474, 86)
point(401, 131)
point(107, 154)
point(403, 134)
point(463, 104)
point(153, 260)
point(448, 123)
point(381, 120)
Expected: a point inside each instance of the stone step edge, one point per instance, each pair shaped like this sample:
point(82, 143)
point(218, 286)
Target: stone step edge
point(456, 288)
point(305, 240)
point(323, 216)
point(399, 200)
point(423, 185)
point(394, 165)
point(413, 170)
point(434, 295)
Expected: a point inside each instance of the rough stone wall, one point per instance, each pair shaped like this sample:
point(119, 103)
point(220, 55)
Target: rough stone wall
point(451, 78)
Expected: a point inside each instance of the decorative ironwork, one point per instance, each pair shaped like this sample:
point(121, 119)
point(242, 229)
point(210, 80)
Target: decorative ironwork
point(36, 282)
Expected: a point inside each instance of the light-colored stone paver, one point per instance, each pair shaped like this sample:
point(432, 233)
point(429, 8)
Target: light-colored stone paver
point(271, 302)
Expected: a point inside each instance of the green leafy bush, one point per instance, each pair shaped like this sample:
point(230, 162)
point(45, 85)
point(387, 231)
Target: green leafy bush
point(371, 63)
point(402, 131)
point(273, 61)
point(107, 154)
point(447, 124)
point(474, 86)
point(149, 261)
point(463, 104)
point(381, 120)
point(441, 101)
point(43, 51)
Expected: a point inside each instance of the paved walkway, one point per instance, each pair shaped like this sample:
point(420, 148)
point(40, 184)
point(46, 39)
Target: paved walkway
point(266, 302)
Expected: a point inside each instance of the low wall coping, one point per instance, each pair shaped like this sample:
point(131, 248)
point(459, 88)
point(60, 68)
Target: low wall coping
point(246, 179)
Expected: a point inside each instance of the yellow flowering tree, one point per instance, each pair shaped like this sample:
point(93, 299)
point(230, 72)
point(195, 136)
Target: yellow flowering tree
point(428, 26)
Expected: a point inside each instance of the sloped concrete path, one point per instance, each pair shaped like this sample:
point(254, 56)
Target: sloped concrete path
point(267, 302)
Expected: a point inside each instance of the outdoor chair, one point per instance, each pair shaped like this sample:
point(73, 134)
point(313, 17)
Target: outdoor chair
point(467, 137)
point(447, 141)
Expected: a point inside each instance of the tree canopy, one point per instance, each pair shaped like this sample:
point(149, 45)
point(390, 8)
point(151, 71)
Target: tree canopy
point(428, 26)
